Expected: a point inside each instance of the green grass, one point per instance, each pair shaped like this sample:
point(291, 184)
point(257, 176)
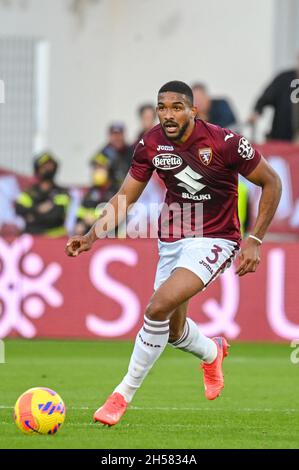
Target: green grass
point(259, 407)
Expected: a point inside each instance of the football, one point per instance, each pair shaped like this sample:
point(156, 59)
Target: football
point(39, 410)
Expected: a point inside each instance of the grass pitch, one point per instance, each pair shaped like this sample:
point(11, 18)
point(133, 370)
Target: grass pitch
point(259, 407)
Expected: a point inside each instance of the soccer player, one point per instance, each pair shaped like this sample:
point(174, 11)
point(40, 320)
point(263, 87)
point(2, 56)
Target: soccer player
point(199, 164)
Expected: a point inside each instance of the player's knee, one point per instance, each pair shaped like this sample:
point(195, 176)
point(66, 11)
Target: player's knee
point(157, 311)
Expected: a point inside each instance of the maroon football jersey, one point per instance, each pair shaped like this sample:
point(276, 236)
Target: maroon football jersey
point(204, 170)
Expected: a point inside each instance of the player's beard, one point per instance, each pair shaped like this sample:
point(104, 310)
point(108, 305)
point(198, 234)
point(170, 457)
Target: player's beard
point(179, 135)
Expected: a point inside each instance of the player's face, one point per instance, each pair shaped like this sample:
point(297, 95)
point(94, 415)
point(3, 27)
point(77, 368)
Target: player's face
point(176, 115)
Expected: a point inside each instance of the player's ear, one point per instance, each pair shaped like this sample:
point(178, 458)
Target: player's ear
point(194, 111)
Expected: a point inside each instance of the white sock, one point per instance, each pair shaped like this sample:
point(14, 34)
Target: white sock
point(149, 345)
point(193, 341)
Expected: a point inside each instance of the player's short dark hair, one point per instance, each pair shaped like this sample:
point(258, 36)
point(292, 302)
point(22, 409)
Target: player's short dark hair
point(178, 87)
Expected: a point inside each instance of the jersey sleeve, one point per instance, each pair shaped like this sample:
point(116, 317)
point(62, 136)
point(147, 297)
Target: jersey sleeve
point(141, 166)
point(242, 156)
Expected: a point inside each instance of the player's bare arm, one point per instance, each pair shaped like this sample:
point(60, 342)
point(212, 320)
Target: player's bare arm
point(265, 177)
point(113, 214)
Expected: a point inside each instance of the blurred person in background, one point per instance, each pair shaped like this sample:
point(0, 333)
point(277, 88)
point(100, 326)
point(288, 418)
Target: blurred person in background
point(118, 153)
point(216, 111)
point(277, 95)
point(147, 117)
point(44, 205)
point(100, 191)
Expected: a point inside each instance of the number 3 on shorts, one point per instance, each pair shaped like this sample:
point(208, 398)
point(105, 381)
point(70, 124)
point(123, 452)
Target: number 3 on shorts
point(215, 250)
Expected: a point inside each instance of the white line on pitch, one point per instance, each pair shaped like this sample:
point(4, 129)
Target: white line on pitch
point(161, 408)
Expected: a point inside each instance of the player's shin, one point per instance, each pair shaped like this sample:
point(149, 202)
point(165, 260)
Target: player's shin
point(193, 341)
point(149, 345)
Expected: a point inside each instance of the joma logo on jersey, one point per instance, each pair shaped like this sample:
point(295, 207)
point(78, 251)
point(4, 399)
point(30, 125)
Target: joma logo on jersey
point(167, 161)
point(167, 148)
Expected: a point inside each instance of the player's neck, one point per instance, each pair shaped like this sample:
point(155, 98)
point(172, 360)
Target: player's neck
point(186, 134)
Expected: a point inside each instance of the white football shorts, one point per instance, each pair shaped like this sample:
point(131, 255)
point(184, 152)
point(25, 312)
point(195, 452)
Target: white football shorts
point(205, 257)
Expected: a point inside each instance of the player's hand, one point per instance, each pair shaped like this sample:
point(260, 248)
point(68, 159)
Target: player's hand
point(77, 245)
point(249, 258)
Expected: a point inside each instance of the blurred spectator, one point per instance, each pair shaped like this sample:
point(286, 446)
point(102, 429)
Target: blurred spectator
point(147, 116)
point(285, 124)
point(44, 205)
point(215, 111)
point(118, 152)
point(101, 191)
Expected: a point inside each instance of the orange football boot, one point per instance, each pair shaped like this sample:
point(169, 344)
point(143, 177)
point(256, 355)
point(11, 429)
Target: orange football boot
point(213, 376)
point(112, 410)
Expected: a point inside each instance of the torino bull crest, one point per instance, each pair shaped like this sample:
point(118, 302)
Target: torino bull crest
point(205, 155)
